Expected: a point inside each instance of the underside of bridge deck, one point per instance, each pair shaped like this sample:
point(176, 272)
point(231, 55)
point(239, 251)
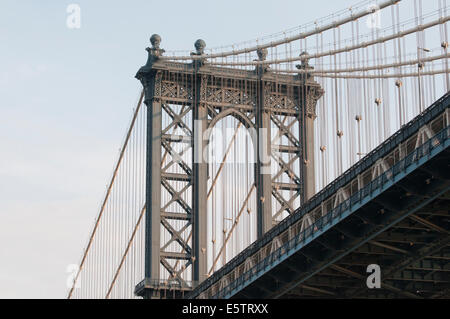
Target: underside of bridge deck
point(406, 231)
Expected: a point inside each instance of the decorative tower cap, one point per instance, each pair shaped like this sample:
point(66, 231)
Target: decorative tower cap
point(200, 45)
point(155, 40)
point(306, 59)
point(262, 54)
point(304, 62)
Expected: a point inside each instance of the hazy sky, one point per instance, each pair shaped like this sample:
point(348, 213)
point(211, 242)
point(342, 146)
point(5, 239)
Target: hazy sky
point(66, 100)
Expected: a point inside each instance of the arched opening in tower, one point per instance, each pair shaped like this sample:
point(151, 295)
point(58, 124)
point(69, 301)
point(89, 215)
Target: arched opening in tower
point(231, 214)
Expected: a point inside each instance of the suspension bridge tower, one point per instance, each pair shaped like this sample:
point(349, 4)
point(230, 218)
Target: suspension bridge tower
point(195, 96)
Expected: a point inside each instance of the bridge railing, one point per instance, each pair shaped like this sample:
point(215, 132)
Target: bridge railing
point(298, 236)
point(421, 140)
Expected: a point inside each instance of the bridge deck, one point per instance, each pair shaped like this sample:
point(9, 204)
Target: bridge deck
point(404, 230)
point(398, 219)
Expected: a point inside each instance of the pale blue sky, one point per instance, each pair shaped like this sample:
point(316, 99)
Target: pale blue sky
point(66, 100)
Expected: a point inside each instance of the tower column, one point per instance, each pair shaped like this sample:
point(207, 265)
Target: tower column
point(153, 178)
point(200, 182)
point(312, 94)
point(310, 180)
point(151, 81)
point(263, 176)
point(309, 96)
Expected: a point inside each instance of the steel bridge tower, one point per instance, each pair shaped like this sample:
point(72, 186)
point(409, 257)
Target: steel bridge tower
point(196, 96)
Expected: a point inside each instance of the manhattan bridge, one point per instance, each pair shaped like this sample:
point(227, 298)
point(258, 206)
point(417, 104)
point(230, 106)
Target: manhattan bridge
point(283, 167)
